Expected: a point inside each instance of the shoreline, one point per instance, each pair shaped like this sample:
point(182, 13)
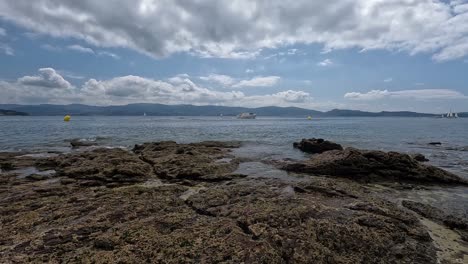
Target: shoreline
point(202, 202)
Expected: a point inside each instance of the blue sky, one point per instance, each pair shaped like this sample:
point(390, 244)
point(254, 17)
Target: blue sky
point(67, 52)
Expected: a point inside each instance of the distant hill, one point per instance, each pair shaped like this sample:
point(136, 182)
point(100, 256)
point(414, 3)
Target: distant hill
point(11, 113)
point(337, 112)
point(192, 110)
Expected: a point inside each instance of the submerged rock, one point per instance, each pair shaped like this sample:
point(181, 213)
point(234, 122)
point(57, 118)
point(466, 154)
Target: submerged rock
point(76, 143)
point(316, 145)
point(373, 166)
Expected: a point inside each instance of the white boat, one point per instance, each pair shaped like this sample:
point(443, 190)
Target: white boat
point(144, 114)
point(247, 116)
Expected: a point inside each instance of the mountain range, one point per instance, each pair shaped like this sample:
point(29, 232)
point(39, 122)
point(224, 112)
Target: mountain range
point(192, 110)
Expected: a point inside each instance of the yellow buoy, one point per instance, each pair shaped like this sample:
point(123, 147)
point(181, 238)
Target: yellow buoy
point(309, 118)
point(67, 118)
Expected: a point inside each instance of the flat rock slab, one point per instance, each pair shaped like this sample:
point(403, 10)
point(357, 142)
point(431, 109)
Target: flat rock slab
point(205, 161)
point(102, 166)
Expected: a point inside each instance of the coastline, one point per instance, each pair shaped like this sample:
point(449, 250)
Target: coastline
point(201, 202)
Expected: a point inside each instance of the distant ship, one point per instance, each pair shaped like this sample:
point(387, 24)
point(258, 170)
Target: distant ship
point(247, 116)
point(144, 114)
point(450, 115)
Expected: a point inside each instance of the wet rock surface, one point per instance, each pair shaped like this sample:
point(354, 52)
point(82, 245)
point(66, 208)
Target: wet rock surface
point(165, 202)
point(373, 166)
point(316, 145)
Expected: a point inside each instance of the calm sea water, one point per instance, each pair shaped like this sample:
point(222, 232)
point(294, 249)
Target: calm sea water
point(263, 137)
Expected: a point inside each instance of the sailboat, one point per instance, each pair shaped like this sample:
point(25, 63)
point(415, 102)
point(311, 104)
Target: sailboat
point(144, 114)
point(451, 114)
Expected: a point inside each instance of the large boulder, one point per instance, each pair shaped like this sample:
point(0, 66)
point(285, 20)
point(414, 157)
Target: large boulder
point(373, 166)
point(316, 145)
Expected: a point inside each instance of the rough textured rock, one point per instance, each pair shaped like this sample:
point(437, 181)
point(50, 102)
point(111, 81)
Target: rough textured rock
point(439, 216)
point(316, 145)
point(102, 166)
point(205, 161)
point(248, 221)
point(373, 166)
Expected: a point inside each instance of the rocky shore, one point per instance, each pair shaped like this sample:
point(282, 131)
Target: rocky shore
point(164, 202)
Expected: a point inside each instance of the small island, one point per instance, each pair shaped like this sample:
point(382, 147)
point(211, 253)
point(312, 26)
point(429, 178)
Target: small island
point(12, 113)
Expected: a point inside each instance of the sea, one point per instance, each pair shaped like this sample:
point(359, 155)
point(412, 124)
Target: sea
point(262, 138)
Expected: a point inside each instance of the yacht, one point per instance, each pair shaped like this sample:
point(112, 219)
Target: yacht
point(247, 116)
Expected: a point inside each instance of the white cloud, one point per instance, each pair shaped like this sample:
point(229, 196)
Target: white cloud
point(219, 78)
point(294, 96)
point(80, 49)
point(258, 81)
point(249, 71)
point(241, 29)
point(423, 94)
point(109, 54)
point(388, 80)
point(6, 49)
point(325, 63)
point(50, 87)
point(47, 77)
point(2, 32)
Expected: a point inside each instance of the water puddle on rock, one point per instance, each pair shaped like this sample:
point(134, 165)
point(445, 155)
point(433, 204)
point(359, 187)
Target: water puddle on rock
point(38, 155)
point(25, 172)
point(191, 191)
point(261, 170)
point(451, 248)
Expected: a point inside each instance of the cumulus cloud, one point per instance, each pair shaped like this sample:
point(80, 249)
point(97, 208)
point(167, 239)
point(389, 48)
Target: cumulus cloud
point(219, 78)
point(388, 80)
point(80, 49)
point(47, 77)
point(50, 87)
point(423, 94)
point(258, 81)
point(294, 96)
point(241, 29)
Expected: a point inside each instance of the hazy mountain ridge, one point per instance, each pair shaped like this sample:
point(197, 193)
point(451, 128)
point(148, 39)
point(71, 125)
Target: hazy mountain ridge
point(192, 110)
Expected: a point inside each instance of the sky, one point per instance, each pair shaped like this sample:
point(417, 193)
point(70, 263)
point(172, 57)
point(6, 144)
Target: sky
point(371, 55)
